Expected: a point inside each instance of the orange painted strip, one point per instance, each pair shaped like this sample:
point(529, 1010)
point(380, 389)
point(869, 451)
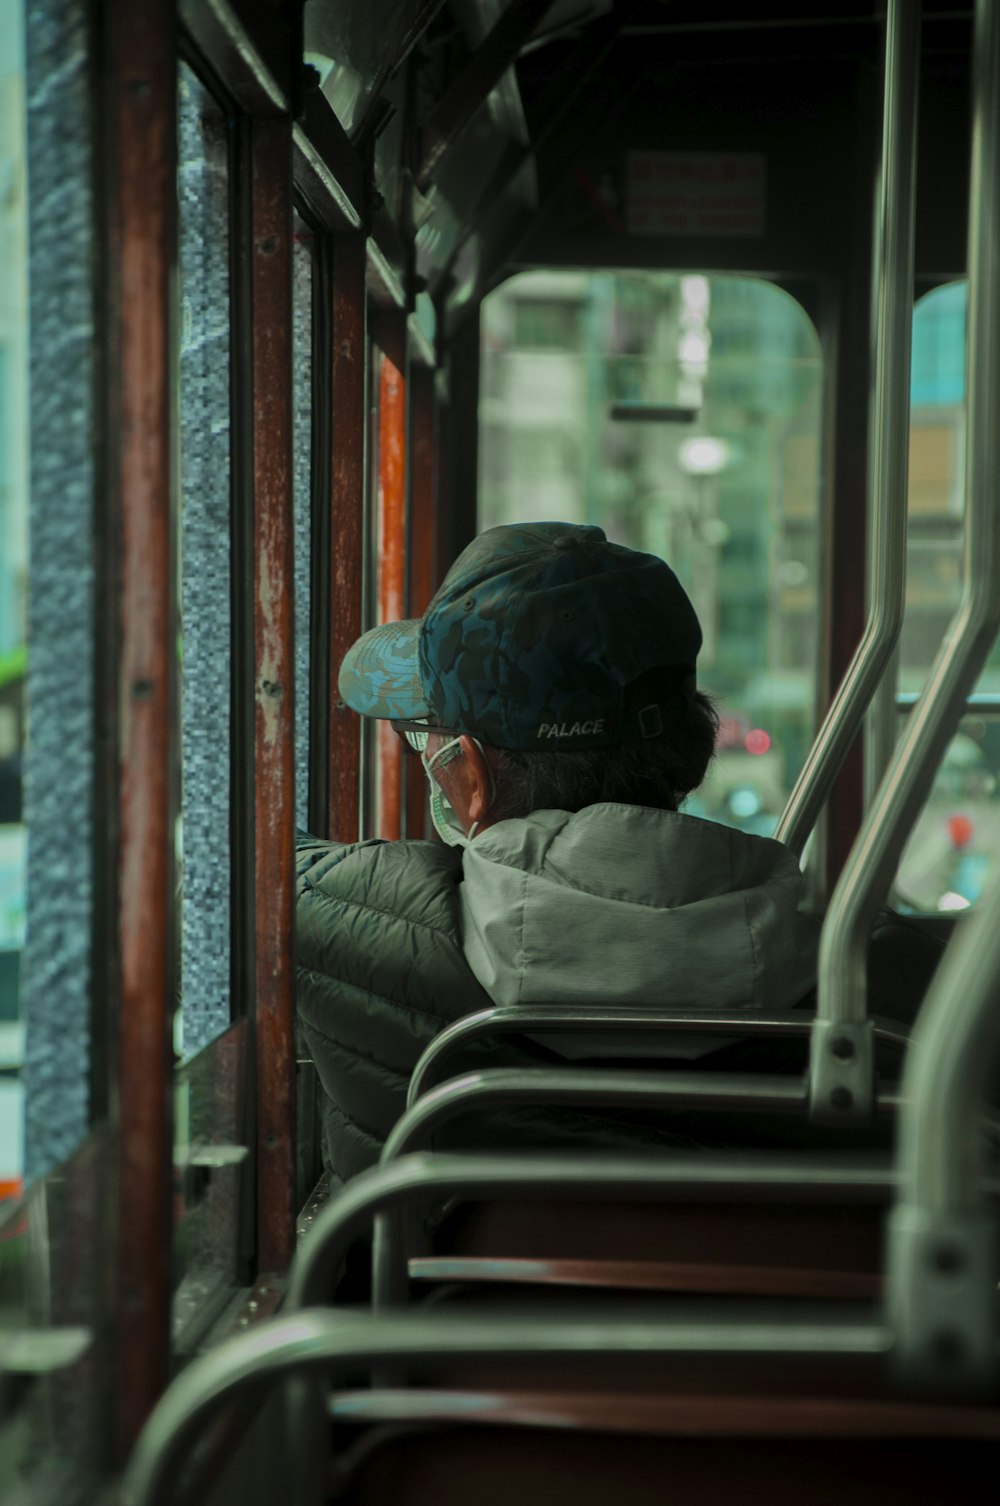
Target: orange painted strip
point(423, 521)
point(392, 540)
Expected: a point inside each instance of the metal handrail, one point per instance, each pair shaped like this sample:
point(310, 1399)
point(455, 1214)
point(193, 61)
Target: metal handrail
point(311, 1344)
point(945, 1080)
point(716, 1176)
point(593, 1088)
point(842, 1000)
point(944, 1244)
point(887, 473)
point(615, 1021)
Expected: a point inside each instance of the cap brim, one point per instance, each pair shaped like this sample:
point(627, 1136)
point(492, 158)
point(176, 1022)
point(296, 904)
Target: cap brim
point(380, 675)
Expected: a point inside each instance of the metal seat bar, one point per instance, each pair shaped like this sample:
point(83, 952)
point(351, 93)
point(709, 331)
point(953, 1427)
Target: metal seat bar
point(568, 1087)
point(944, 1237)
point(611, 1021)
point(598, 1088)
point(341, 1341)
point(572, 1176)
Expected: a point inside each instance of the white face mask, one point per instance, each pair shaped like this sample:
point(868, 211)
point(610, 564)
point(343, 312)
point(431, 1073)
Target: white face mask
point(443, 815)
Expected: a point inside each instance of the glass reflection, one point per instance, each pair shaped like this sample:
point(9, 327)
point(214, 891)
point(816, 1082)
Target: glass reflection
point(353, 47)
point(13, 583)
point(205, 562)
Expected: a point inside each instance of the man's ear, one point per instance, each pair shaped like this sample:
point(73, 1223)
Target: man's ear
point(479, 786)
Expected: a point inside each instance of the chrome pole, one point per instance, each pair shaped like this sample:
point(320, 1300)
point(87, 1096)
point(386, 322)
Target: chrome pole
point(889, 432)
point(944, 1235)
point(971, 633)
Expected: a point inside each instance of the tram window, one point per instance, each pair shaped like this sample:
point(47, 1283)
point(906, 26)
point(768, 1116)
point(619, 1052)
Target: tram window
point(949, 856)
point(205, 561)
point(13, 585)
point(302, 355)
point(683, 414)
point(368, 35)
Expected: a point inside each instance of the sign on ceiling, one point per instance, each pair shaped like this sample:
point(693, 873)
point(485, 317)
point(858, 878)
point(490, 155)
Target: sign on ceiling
point(695, 193)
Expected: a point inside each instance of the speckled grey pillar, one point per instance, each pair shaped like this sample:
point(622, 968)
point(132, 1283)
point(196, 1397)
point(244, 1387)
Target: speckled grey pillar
point(302, 285)
point(206, 562)
point(60, 759)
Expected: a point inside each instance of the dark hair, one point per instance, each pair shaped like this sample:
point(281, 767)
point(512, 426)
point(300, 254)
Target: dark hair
point(655, 771)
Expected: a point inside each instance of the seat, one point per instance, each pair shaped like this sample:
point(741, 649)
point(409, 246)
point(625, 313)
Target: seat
point(542, 1420)
point(783, 1250)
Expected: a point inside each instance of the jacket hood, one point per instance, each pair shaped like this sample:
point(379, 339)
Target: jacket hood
point(624, 904)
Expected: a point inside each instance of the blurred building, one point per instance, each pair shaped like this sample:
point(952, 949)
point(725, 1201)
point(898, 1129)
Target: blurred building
point(682, 413)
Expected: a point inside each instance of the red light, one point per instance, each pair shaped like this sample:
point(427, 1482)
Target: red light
point(960, 830)
point(757, 741)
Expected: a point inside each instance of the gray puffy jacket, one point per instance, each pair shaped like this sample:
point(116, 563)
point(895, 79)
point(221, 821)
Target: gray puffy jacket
point(380, 972)
point(613, 903)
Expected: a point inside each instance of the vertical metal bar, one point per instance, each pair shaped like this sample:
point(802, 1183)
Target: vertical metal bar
point(391, 539)
point(889, 454)
point(944, 1233)
point(948, 1068)
point(141, 258)
point(348, 429)
point(274, 682)
point(423, 482)
point(973, 629)
point(881, 728)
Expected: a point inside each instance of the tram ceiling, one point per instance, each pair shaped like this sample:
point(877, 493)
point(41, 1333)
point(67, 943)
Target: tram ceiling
point(505, 134)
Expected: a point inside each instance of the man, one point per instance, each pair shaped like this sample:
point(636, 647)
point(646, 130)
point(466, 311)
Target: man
point(549, 690)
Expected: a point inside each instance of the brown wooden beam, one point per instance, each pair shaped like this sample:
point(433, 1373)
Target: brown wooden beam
point(274, 680)
point(348, 427)
point(140, 84)
point(391, 532)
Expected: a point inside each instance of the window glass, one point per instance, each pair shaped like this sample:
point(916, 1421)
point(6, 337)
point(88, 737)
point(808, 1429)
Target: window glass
point(52, 384)
point(949, 856)
point(13, 582)
point(54, 1265)
point(352, 47)
point(682, 413)
point(213, 1174)
point(205, 562)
